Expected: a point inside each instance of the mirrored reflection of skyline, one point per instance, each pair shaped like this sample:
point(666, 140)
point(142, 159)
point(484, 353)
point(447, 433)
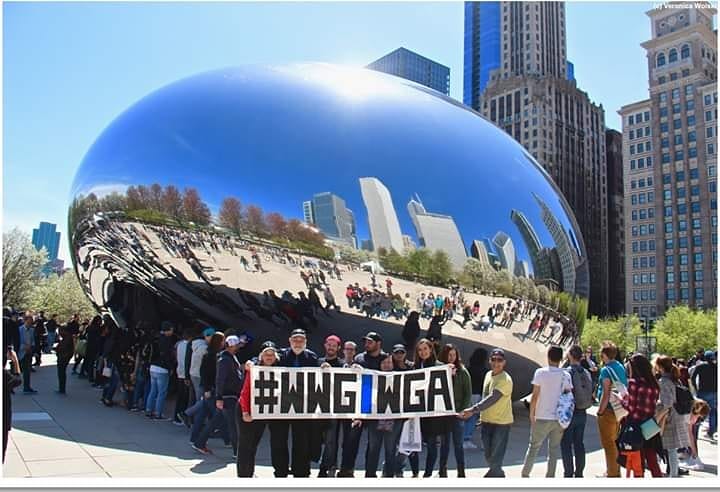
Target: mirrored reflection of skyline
point(453, 181)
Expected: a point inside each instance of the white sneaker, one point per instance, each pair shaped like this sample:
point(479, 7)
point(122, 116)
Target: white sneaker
point(695, 464)
point(469, 445)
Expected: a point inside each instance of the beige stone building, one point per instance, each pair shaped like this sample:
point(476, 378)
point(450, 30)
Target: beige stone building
point(670, 167)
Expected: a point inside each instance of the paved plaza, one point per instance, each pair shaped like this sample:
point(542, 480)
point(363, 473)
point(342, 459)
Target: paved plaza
point(76, 436)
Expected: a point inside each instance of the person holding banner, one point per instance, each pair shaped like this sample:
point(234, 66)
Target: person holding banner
point(399, 352)
point(369, 359)
point(462, 389)
point(496, 415)
point(431, 428)
point(383, 433)
point(250, 431)
point(328, 461)
point(297, 355)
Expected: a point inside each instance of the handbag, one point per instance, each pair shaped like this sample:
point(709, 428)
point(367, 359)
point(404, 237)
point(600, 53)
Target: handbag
point(410, 437)
point(107, 371)
point(630, 437)
point(566, 405)
point(81, 347)
point(649, 428)
point(616, 396)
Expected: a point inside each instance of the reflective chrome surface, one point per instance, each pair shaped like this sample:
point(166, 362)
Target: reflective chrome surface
point(408, 166)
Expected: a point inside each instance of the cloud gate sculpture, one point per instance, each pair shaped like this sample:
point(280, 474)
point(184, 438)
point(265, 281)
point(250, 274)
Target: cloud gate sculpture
point(220, 198)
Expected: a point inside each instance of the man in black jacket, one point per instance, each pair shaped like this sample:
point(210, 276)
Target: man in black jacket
point(296, 355)
point(228, 383)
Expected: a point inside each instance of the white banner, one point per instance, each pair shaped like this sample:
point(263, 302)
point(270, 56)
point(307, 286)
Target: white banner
point(314, 393)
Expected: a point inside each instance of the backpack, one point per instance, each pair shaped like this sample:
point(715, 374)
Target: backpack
point(683, 400)
point(582, 387)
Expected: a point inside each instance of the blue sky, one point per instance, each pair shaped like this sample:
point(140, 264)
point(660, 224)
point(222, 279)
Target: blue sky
point(69, 69)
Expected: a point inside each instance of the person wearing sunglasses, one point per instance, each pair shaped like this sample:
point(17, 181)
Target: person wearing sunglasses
point(496, 415)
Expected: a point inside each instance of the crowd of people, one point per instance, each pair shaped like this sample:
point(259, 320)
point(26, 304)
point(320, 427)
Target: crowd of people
point(648, 410)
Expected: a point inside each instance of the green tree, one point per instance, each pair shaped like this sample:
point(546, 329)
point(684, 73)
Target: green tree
point(544, 295)
point(474, 275)
point(21, 268)
point(681, 331)
point(621, 331)
point(61, 295)
point(420, 263)
point(441, 270)
point(393, 261)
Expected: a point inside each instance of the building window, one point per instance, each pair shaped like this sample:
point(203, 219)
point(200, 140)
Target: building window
point(695, 207)
point(647, 116)
point(668, 227)
point(676, 108)
point(651, 245)
point(695, 190)
point(696, 224)
point(664, 127)
point(683, 242)
point(673, 55)
point(692, 136)
point(681, 192)
point(697, 258)
point(647, 131)
point(709, 132)
point(697, 241)
point(692, 152)
point(666, 158)
point(690, 120)
point(710, 148)
point(678, 139)
point(669, 260)
point(682, 208)
point(682, 225)
point(712, 186)
point(699, 293)
point(677, 124)
point(690, 104)
point(669, 244)
point(689, 90)
point(708, 100)
point(679, 155)
point(663, 111)
point(648, 161)
point(684, 294)
point(670, 294)
point(683, 259)
point(660, 61)
point(676, 93)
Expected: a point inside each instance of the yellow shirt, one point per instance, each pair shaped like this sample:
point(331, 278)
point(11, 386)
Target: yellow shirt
point(501, 411)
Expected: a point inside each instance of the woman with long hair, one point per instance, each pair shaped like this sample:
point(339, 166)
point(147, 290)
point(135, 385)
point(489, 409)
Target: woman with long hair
point(250, 431)
point(201, 431)
point(431, 428)
point(675, 434)
point(477, 367)
point(640, 402)
point(411, 330)
point(462, 390)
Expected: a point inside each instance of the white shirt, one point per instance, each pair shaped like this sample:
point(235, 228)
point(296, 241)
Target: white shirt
point(553, 381)
point(180, 355)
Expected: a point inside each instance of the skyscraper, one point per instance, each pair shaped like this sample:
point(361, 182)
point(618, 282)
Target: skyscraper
point(565, 251)
point(541, 264)
point(437, 232)
point(332, 217)
point(505, 251)
point(616, 223)
point(480, 252)
point(670, 167)
point(533, 97)
point(411, 66)
point(308, 212)
point(382, 219)
point(46, 236)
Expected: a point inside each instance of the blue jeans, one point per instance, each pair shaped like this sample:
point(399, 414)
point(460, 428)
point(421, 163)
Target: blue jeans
point(388, 440)
point(456, 436)
point(572, 444)
point(112, 384)
point(711, 399)
point(495, 439)
point(158, 391)
point(472, 421)
point(139, 392)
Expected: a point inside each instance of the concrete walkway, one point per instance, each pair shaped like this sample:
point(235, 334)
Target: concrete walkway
point(76, 436)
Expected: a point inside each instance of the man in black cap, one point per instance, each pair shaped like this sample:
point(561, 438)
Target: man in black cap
point(370, 359)
point(297, 355)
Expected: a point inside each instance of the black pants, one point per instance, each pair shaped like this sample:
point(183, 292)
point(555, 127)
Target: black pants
point(351, 445)
point(183, 398)
point(62, 373)
point(300, 448)
point(25, 365)
point(249, 435)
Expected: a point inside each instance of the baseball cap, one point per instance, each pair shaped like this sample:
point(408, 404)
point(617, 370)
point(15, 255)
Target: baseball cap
point(497, 351)
point(399, 347)
point(373, 335)
point(268, 344)
point(209, 331)
point(333, 338)
point(232, 340)
point(298, 333)
point(709, 355)
point(166, 326)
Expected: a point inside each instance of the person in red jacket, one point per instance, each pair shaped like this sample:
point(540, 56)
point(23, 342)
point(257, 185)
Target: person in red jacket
point(251, 431)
